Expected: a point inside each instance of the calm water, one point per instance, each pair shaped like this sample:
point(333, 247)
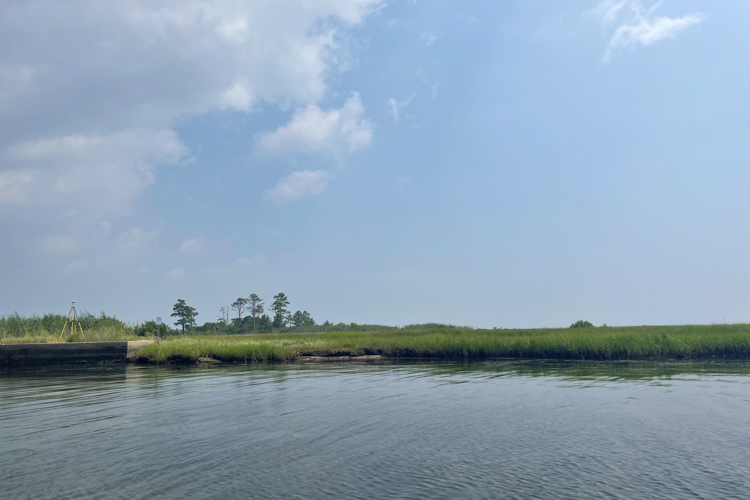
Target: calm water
point(496, 430)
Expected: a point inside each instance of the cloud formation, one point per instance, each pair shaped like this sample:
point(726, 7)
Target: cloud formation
point(333, 132)
point(298, 185)
point(607, 10)
point(89, 92)
point(103, 172)
point(640, 26)
point(394, 107)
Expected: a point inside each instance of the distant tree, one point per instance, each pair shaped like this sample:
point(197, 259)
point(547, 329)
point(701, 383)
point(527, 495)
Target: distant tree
point(239, 305)
point(279, 307)
point(302, 318)
point(265, 324)
point(210, 328)
point(288, 319)
point(307, 318)
point(256, 307)
point(297, 319)
point(223, 317)
point(582, 324)
point(185, 314)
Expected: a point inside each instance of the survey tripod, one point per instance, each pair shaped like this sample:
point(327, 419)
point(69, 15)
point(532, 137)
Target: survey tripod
point(73, 320)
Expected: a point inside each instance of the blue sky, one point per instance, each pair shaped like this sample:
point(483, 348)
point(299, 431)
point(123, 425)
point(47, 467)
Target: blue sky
point(509, 164)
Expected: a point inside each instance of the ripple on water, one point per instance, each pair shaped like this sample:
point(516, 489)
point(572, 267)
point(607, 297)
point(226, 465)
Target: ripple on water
point(495, 430)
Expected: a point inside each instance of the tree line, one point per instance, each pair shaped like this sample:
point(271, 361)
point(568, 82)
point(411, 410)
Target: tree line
point(243, 315)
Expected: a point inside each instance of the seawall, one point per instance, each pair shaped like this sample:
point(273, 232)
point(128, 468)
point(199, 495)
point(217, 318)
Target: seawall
point(69, 352)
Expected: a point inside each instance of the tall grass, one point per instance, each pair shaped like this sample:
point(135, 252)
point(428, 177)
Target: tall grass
point(47, 328)
point(606, 343)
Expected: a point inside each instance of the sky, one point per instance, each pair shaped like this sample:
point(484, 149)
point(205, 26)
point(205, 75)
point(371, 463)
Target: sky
point(481, 163)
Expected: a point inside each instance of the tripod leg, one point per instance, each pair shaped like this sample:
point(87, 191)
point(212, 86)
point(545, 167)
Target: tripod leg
point(63, 330)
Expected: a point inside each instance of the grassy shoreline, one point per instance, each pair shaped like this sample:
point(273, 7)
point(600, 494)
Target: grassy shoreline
point(604, 343)
point(430, 341)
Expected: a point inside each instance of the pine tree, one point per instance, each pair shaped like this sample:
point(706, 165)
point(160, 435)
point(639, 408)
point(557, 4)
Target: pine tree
point(256, 307)
point(239, 306)
point(279, 307)
point(185, 314)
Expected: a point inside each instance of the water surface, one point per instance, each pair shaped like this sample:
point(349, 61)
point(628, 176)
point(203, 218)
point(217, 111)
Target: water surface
point(495, 430)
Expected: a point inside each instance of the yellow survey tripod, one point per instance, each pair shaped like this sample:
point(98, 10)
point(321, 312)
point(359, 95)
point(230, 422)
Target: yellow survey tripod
point(73, 320)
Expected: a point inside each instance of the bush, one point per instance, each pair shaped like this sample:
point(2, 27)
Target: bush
point(582, 324)
point(149, 329)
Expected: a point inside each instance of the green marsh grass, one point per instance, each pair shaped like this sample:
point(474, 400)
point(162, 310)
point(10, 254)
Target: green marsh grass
point(604, 343)
point(15, 329)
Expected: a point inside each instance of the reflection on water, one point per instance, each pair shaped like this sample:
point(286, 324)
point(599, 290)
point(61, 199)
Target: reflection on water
point(500, 429)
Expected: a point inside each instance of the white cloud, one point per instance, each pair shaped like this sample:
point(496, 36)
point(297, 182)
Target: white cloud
point(607, 10)
point(83, 89)
point(235, 30)
point(135, 242)
point(394, 107)
point(640, 26)
point(333, 132)
point(648, 32)
point(146, 63)
point(101, 173)
point(238, 97)
point(193, 245)
point(298, 185)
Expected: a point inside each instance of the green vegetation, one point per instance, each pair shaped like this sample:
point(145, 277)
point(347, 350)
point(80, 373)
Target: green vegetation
point(582, 324)
point(256, 308)
point(185, 315)
point(281, 314)
point(443, 342)
point(151, 329)
point(291, 336)
point(255, 322)
point(47, 328)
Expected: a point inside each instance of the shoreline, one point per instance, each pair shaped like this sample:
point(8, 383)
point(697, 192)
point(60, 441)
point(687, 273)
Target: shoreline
point(679, 342)
point(97, 353)
point(376, 358)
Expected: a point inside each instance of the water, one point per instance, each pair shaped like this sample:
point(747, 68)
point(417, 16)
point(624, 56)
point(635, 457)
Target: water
point(495, 430)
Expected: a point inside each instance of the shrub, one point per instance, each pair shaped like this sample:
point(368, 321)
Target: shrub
point(149, 329)
point(582, 324)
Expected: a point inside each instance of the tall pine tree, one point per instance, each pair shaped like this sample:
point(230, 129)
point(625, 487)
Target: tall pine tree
point(185, 314)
